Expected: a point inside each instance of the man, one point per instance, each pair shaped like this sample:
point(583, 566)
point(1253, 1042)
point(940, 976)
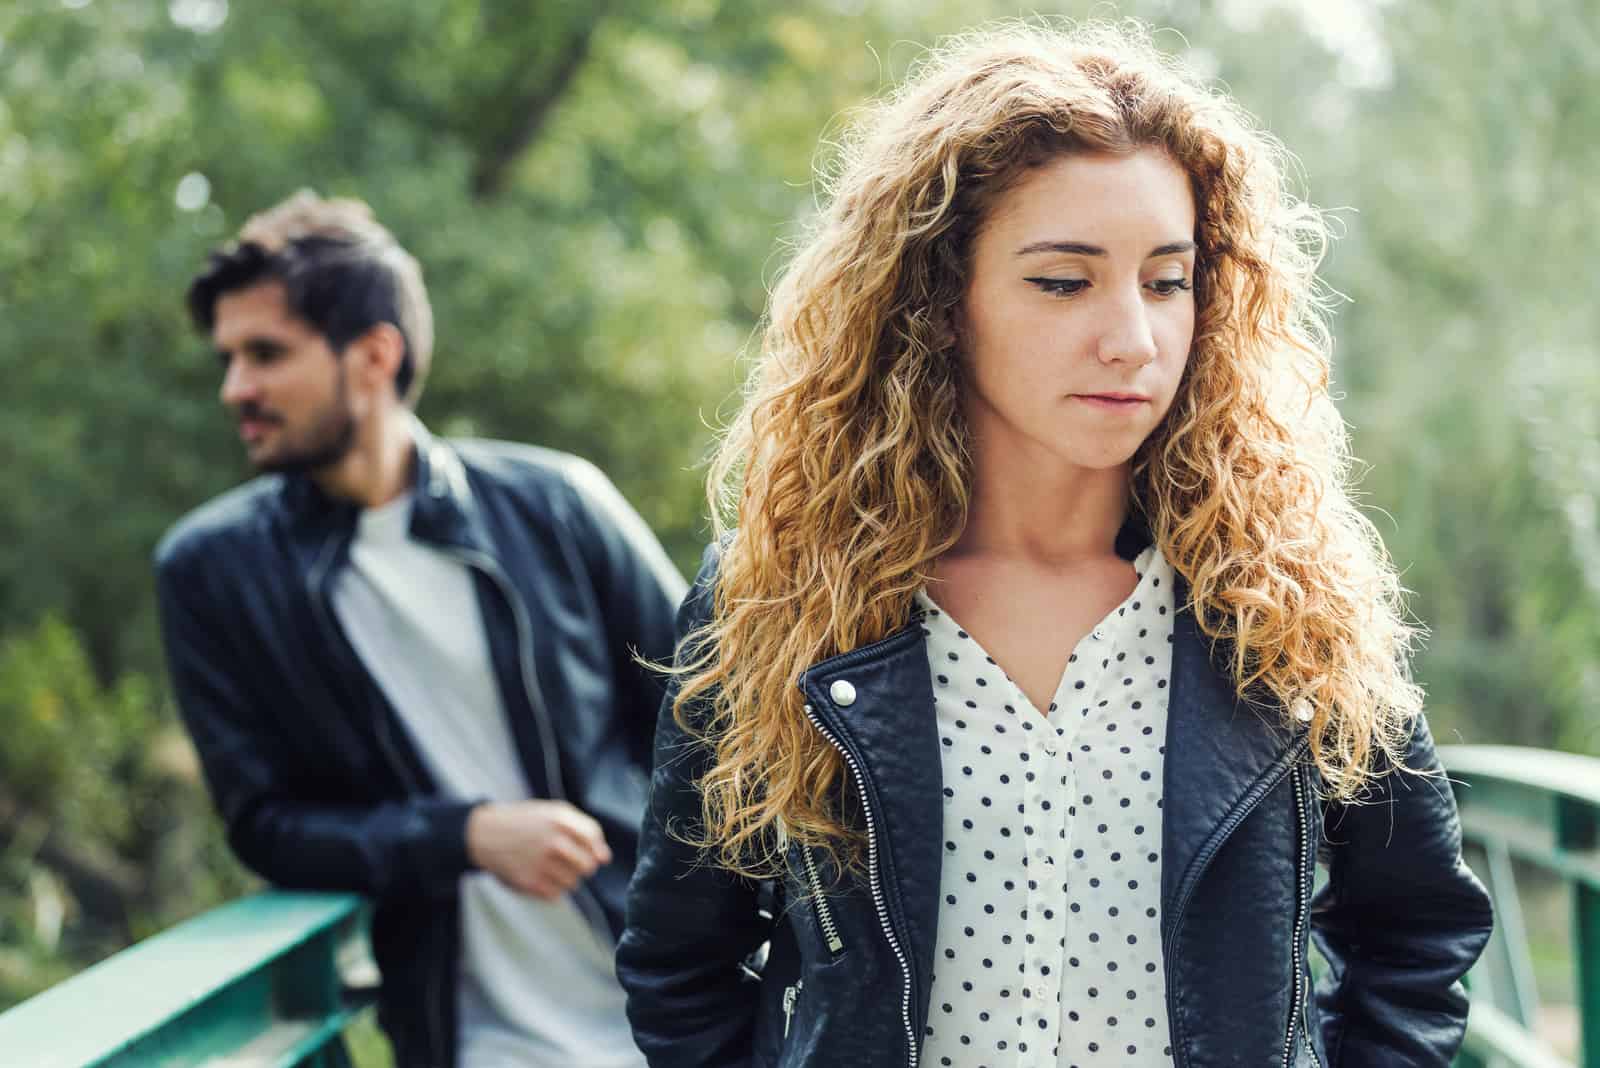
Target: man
point(409, 665)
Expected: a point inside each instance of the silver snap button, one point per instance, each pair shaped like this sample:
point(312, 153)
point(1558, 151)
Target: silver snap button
point(1302, 710)
point(842, 692)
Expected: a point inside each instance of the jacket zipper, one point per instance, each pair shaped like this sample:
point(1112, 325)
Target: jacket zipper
point(434, 994)
point(791, 994)
point(547, 737)
point(830, 933)
point(876, 882)
point(1301, 990)
point(1246, 806)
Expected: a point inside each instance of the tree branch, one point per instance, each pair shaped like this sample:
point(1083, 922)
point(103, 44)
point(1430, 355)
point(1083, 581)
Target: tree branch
point(489, 178)
point(104, 885)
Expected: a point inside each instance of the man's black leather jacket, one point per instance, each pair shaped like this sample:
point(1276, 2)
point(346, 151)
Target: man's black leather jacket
point(847, 972)
point(318, 783)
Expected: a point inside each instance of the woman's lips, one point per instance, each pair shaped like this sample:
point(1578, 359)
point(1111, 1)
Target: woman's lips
point(1112, 402)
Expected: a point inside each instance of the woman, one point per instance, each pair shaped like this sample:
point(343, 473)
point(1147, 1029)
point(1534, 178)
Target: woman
point(1049, 651)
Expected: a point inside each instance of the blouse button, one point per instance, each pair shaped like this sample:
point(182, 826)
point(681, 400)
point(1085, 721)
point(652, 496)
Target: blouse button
point(1099, 634)
point(842, 692)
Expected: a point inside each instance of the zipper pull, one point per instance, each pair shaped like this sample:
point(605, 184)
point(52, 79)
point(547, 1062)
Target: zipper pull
point(791, 994)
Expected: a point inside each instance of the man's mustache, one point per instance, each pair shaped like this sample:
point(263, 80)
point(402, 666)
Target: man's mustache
point(252, 411)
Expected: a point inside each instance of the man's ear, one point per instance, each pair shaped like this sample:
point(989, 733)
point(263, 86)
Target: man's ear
point(376, 355)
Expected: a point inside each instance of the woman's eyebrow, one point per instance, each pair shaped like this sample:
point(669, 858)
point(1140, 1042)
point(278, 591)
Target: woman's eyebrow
point(1078, 247)
point(1084, 249)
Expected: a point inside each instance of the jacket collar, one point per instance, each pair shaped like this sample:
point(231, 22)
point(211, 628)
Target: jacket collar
point(444, 510)
point(1222, 755)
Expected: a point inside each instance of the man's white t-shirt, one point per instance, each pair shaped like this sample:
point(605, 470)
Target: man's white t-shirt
point(538, 988)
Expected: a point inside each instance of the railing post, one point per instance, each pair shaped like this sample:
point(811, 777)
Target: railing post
point(1586, 920)
point(253, 982)
point(305, 985)
point(1578, 830)
point(1505, 972)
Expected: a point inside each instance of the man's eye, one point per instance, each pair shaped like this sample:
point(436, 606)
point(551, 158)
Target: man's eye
point(1059, 287)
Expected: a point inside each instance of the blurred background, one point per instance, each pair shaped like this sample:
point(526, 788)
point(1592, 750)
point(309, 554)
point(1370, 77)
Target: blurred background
point(600, 192)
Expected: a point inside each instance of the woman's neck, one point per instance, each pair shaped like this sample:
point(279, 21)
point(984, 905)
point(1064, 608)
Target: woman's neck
point(1043, 513)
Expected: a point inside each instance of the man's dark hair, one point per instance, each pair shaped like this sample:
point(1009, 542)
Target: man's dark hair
point(342, 273)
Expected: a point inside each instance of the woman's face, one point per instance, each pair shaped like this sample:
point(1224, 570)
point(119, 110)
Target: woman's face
point(1078, 314)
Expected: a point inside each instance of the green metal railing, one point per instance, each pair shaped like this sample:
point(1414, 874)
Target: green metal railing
point(257, 983)
point(1540, 809)
point(266, 982)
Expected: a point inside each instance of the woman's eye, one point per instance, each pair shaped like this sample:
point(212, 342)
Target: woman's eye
point(1060, 287)
point(1166, 287)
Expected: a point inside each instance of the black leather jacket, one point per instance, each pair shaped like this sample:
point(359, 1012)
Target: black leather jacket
point(847, 973)
point(317, 781)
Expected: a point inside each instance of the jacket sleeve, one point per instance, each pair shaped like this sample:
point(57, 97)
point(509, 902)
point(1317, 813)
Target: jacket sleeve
point(640, 590)
point(280, 823)
point(690, 924)
point(1400, 920)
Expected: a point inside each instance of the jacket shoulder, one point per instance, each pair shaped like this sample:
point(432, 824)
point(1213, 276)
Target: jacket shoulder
point(518, 466)
point(697, 607)
point(514, 458)
point(548, 473)
point(238, 512)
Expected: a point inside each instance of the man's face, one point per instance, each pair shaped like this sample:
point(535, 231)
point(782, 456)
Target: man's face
point(282, 381)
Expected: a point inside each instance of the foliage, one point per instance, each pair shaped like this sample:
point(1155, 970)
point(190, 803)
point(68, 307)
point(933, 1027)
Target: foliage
point(98, 838)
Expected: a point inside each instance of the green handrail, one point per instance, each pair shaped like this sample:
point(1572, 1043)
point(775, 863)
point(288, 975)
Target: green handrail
point(1541, 808)
point(256, 983)
point(264, 981)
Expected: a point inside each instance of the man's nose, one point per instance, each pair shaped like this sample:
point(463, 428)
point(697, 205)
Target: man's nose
point(1127, 337)
point(238, 383)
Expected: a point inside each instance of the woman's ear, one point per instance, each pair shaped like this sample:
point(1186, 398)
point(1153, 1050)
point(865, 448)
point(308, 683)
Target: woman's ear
point(953, 329)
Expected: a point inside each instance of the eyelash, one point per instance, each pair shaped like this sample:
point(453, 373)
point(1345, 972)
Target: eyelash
point(1068, 287)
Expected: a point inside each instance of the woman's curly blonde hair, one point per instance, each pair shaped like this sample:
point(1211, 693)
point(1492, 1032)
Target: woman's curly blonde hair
point(846, 474)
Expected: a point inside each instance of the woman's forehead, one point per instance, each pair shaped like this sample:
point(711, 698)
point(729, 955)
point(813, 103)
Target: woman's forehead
point(1138, 201)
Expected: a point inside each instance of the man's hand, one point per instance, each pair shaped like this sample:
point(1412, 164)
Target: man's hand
point(540, 848)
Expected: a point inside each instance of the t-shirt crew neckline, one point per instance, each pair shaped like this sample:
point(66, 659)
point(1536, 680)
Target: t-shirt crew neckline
point(388, 522)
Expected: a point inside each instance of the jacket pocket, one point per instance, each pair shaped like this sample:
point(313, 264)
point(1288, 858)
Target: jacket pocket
point(826, 926)
point(783, 970)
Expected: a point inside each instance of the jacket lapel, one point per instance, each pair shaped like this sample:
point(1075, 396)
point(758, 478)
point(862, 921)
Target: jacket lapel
point(877, 702)
point(1220, 754)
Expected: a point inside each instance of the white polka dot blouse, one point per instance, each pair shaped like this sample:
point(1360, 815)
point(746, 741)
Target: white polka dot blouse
point(1049, 946)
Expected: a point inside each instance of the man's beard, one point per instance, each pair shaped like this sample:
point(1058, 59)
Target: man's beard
point(323, 444)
